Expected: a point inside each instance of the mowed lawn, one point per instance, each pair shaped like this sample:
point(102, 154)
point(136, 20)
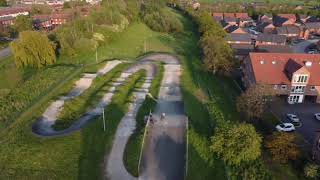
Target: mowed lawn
point(25, 156)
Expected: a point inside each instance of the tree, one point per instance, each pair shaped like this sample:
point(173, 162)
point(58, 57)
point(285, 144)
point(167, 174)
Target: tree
point(311, 171)
point(218, 56)
point(3, 3)
point(33, 49)
point(282, 147)
point(237, 144)
point(255, 170)
point(253, 102)
point(23, 23)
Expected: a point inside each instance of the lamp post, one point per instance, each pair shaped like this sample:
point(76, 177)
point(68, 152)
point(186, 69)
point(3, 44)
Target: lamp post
point(103, 119)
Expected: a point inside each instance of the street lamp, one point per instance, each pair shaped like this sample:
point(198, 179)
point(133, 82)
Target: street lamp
point(103, 119)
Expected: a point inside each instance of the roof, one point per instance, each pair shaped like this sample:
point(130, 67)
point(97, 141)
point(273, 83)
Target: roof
point(284, 63)
point(313, 25)
point(230, 19)
point(232, 28)
point(288, 30)
point(239, 37)
point(245, 49)
point(272, 38)
point(12, 10)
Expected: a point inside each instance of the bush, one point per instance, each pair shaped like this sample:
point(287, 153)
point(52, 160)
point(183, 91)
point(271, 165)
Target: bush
point(311, 171)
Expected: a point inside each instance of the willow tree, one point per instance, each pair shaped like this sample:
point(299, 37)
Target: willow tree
point(33, 49)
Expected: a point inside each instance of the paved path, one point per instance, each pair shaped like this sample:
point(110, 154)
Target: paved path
point(115, 168)
point(5, 53)
point(43, 127)
point(164, 151)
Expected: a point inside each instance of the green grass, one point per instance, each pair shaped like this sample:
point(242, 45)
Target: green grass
point(134, 145)
point(74, 109)
point(25, 156)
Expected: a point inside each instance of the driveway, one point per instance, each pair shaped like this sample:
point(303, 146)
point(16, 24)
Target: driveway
point(305, 111)
point(302, 46)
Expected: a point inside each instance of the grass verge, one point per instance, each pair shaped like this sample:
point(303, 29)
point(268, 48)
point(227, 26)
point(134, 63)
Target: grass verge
point(133, 148)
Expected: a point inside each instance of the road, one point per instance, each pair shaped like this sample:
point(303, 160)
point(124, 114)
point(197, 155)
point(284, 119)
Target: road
point(302, 46)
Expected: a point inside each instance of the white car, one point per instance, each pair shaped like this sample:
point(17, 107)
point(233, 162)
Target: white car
point(294, 118)
point(317, 116)
point(285, 127)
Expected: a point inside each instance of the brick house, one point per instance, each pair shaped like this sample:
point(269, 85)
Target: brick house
point(284, 19)
point(295, 76)
point(290, 31)
point(271, 39)
point(42, 22)
point(60, 18)
point(237, 19)
point(239, 39)
point(235, 30)
point(13, 12)
point(7, 21)
point(265, 27)
point(313, 27)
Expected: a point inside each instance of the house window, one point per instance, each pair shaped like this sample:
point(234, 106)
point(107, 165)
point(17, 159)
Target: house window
point(283, 87)
point(275, 87)
point(312, 88)
point(297, 89)
point(300, 79)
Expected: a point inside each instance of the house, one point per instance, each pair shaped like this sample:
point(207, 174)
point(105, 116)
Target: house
point(244, 19)
point(235, 29)
point(290, 31)
point(238, 38)
point(307, 19)
point(13, 12)
point(265, 27)
point(313, 27)
point(239, 19)
point(61, 18)
point(42, 22)
point(295, 76)
point(7, 21)
point(271, 39)
point(284, 19)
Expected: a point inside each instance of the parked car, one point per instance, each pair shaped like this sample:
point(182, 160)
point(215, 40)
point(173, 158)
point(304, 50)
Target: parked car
point(293, 118)
point(285, 127)
point(311, 52)
point(317, 116)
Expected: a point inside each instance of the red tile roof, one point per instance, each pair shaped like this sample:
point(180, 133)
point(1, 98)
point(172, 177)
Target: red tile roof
point(275, 73)
point(242, 15)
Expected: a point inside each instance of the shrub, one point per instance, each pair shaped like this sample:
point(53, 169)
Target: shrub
point(311, 171)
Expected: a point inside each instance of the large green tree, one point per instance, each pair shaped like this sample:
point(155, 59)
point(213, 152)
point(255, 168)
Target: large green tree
point(282, 146)
point(237, 144)
point(23, 23)
point(254, 100)
point(218, 56)
point(33, 49)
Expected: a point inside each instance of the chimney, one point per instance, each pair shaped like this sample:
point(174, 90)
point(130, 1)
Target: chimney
point(308, 63)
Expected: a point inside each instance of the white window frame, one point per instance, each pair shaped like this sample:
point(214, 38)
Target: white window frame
point(283, 87)
point(275, 86)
